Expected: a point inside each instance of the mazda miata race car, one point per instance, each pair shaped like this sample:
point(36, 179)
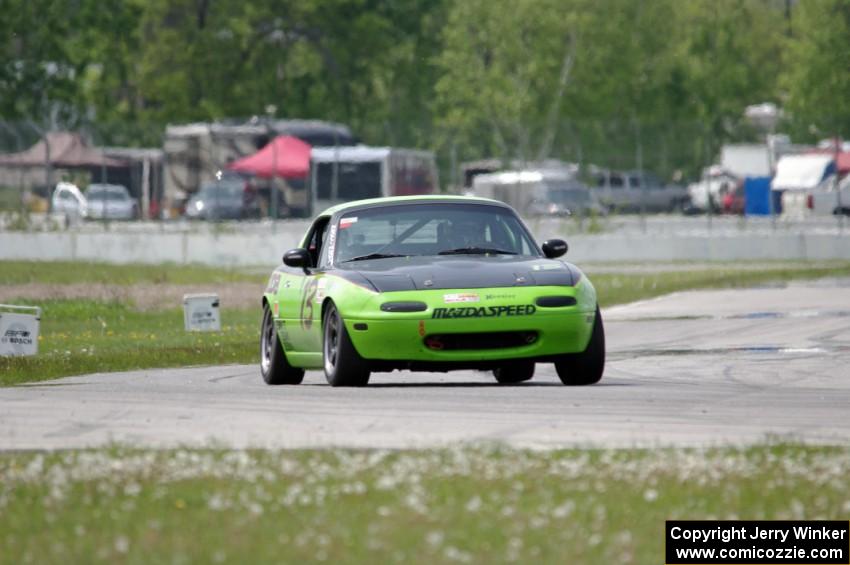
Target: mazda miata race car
point(428, 283)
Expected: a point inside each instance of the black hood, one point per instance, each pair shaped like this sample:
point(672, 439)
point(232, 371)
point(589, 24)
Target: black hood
point(467, 271)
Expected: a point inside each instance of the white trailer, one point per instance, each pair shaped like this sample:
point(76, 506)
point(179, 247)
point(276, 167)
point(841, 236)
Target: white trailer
point(797, 176)
point(343, 174)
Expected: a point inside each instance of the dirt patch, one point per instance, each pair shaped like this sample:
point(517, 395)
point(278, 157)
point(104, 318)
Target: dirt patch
point(141, 296)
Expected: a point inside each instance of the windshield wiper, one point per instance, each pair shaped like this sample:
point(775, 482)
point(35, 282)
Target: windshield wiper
point(476, 251)
point(373, 256)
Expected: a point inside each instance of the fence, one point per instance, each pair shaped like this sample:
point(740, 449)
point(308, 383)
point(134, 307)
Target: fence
point(606, 155)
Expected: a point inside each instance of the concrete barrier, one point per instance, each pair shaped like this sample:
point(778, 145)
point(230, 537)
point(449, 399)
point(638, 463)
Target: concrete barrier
point(246, 249)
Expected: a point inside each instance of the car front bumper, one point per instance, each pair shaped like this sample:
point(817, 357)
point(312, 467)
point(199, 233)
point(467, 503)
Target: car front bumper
point(504, 323)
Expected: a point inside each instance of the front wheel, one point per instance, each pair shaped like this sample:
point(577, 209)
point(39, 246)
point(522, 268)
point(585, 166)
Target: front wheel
point(512, 372)
point(274, 366)
point(343, 365)
point(585, 368)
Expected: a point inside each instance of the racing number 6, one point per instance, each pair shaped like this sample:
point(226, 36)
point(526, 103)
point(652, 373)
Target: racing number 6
point(307, 298)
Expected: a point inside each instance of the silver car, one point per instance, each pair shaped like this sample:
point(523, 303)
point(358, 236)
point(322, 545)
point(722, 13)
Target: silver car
point(110, 202)
point(565, 198)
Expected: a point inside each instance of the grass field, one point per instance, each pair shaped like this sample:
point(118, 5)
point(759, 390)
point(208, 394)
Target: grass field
point(103, 334)
point(469, 505)
point(68, 272)
point(79, 337)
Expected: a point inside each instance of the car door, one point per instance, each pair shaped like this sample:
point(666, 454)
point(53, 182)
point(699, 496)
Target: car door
point(619, 196)
point(636, 195)
point(306, 298)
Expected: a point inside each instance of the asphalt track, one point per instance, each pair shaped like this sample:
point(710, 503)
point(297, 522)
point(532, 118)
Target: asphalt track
point(694, 368)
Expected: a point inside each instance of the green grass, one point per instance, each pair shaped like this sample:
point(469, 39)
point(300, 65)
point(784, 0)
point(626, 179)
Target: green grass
point(622, 288)
point(468, 505)
point(79, 336)
point(68, 272)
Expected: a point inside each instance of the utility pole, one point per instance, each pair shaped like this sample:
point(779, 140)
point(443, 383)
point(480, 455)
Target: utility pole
point(836, 154)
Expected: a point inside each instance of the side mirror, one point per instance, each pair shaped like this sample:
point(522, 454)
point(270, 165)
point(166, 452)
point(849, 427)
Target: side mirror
point(299, 258)
point(553, 248)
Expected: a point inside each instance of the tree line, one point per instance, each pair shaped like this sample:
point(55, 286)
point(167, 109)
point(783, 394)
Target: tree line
point(508, 78)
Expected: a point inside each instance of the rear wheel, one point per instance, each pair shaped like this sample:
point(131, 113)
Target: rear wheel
point(585, 368)
point(274, 366)
point(343, 365)
point(512, 372)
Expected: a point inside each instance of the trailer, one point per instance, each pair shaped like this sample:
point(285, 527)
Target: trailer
point(343, 174)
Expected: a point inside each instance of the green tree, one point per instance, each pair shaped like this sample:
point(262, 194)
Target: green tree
point(817, 74)
point(38, 77)
point(505, 67)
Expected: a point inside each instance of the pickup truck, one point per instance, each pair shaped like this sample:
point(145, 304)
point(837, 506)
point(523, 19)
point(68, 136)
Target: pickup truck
point(634, 191)
point(825, 199)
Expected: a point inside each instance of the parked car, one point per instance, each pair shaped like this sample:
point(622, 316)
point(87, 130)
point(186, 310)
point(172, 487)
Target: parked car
point(543, 192)
point(110, 202)
point(707, 194)
point(634, 191)
point(68, 201)
point(226, 199)
point(567, 198)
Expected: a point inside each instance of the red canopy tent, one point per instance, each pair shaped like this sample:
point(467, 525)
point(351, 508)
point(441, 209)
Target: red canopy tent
point(285, 156)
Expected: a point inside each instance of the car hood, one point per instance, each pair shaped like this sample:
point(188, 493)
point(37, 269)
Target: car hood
point(462, 271)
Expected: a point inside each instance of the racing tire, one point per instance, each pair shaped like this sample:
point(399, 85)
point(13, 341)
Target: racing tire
point(585, 368)
point(343, 365)
point(274, 366)
point(513, 372)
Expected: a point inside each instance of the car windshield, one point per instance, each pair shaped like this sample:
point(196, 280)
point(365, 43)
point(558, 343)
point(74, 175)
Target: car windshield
point(107, 195)
point(222, 190)
point(430, 229)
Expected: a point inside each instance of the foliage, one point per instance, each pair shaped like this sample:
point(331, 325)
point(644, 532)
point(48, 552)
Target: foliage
point(595, 81)
point(818, 73)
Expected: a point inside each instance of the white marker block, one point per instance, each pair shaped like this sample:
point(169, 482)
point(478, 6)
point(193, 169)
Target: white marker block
point(201, 313)
point(19, 327)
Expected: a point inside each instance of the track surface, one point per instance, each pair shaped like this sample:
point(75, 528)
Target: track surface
point(693, 368)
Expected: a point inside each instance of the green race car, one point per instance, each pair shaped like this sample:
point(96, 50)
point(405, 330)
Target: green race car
point(428, 283)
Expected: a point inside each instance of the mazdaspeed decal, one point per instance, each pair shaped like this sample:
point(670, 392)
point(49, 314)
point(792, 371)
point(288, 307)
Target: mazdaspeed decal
point(461, 297)
point(484, 311)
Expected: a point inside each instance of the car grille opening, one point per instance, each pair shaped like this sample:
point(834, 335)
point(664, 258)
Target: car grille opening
point(483, 340)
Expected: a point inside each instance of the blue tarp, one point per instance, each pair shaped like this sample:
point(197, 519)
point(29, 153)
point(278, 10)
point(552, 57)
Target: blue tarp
point(757, 195)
